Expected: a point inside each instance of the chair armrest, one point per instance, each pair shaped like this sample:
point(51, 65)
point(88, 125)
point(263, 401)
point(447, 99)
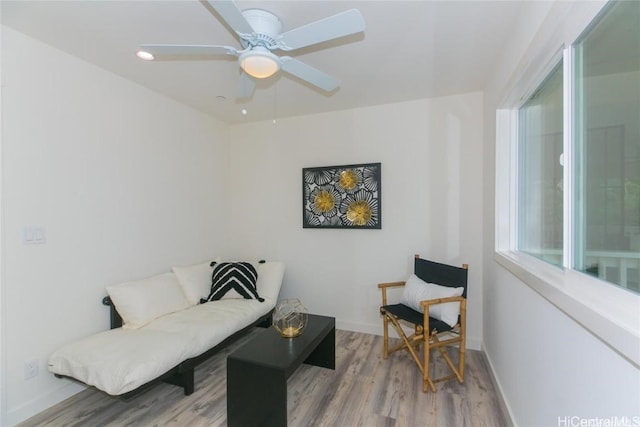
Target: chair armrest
point(426, 303)
point(384, 286)
point(390, 285)
point(463, 308)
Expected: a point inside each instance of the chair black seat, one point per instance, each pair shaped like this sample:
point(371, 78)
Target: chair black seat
point(410, 315)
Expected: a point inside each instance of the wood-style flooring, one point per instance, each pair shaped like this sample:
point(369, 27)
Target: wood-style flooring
point(364, 390)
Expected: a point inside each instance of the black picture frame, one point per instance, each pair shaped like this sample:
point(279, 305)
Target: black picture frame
point(346, 196)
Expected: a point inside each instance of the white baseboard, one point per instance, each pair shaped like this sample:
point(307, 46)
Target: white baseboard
point(359, 327)
point(473, 343)
point(43, 402)
point(504, 404)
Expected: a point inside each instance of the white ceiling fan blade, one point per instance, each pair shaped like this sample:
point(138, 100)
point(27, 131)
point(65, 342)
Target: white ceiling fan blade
point(159, 51)
point(309, 74)
point(246, 86)
point(228, 10)
point(332, 27)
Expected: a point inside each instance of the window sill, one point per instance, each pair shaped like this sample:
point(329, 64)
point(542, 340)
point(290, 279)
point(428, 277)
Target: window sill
point(610, 313)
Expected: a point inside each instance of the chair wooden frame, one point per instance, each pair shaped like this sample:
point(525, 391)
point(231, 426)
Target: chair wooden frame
point(429, 340)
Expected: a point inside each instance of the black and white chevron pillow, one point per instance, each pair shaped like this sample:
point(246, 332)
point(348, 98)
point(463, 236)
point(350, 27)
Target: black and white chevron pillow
point(233, 280)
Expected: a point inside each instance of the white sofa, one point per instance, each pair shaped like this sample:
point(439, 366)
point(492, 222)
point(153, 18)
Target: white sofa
point(161, 331)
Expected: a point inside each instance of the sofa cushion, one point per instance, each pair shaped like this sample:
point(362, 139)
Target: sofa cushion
point(233, 280)
point(195, 280)
point(120, 360)
point(139, 302)
point(206, 325)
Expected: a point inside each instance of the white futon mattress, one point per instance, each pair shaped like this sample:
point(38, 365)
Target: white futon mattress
point(120, 360)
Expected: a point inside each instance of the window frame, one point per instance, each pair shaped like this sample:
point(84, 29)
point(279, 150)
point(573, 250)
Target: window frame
point(554, 63)
point(606, 310)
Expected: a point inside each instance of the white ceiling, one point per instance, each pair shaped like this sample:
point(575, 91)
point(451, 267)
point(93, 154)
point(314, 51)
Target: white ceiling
point(409, 49)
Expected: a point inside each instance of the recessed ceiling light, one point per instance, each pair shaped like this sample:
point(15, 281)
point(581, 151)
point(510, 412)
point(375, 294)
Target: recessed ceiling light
point(244, 111)
point(144, 55)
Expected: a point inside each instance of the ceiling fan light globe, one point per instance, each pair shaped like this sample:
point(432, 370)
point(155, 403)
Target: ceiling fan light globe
point(259, 64)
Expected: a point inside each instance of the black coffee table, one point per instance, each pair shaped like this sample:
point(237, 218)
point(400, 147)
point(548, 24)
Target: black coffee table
point(257, 372)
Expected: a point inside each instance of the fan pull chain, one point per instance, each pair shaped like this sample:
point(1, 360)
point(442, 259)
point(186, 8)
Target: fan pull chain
point(274, 102)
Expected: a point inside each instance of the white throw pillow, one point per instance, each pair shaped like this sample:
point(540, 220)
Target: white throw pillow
point(139, 302)
point(416, 290)
point(195, 280)
point(270, 275)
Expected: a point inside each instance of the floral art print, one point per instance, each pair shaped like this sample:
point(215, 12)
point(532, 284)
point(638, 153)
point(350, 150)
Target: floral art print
point(341, 196)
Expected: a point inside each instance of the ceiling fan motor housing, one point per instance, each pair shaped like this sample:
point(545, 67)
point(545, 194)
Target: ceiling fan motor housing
point(266, 26)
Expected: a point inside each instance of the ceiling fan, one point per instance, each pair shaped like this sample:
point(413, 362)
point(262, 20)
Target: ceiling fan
point(260, 34)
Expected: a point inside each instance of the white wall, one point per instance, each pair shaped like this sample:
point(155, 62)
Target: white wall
point(126, 183)
point(549, 367)
point(431, 201)
point(2, 358)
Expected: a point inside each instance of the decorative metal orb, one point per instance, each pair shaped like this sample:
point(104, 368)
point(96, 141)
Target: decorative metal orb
point(290, 317)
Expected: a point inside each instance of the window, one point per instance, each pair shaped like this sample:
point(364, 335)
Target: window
point(607, 130)
point(604, 217)
point(540, 172)
point(567, 168)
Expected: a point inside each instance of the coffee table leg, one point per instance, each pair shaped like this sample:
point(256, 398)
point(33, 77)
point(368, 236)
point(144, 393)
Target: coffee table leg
point(324, 355)
point(256, 396)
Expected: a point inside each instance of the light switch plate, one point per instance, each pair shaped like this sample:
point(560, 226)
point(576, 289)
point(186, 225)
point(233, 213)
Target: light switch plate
point(33, 235)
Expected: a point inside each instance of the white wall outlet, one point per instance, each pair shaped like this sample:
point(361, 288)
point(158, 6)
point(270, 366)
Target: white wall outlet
point(31, 368)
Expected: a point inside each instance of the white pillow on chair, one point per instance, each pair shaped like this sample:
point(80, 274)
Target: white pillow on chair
point(416, 290)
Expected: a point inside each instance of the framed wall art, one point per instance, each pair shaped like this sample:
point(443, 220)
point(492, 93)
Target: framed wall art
point(342, 196)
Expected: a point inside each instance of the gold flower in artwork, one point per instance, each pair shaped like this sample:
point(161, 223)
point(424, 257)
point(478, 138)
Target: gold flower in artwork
point(359, 212)
point(348, 179)
point(324, 201)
